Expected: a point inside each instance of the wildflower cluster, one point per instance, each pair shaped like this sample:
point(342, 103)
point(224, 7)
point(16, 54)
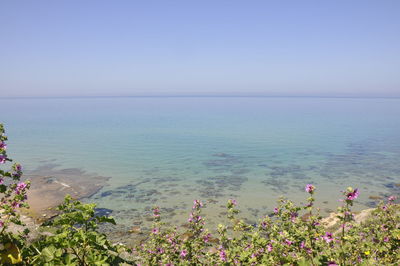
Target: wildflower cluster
point(13, 196)
point(293, 235)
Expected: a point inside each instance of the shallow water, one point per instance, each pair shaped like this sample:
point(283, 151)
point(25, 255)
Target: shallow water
point(169, 151)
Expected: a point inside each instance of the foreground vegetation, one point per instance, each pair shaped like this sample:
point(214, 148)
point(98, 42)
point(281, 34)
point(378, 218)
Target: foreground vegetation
point(294, 235)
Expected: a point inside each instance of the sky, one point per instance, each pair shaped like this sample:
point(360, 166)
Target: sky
point(336, 48)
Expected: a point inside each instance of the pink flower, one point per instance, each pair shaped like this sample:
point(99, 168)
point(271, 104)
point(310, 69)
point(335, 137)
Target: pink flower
point(222, 255)
point(18, 167)
point(269, 247)
point(392, 198)
point(190, 218)
point(197, 204)
point(233, 202)
point(1, 224)
point(353, 195)
point(2, 158)
point(206, 238)
point(160, 250)
point(276, 210)
point(310, 188)
point(20, 187)
point(183, 253)
point(3, 145)
point(328, 237)
point(156, 212)
point(1, 181)
point(155, 230)
point(264, 224)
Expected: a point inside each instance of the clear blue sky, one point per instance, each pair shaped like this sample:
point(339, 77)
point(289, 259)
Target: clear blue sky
point(83, 48)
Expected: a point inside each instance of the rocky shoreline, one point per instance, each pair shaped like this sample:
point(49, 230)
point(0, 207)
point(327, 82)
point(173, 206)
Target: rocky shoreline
point(50, 185)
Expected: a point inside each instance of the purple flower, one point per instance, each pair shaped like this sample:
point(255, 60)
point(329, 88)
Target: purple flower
point(2, 158)
point(302, 244)
point(233, 202)
point(310, 188)
point(328, 237)
point(222, 255)
point(288, 242)
point(1, 224)
point(264, 224)
point(155, 230)
point(156, 212)
point(183, 253)
point(190, 218)
point(20, 187)
point(160, 250)
point(197, 204)
point(206, 238)
point(276, 210)
point(15, 205)
point(392, 198)
point(293, 216)
point(353, 195)
point(3, 145)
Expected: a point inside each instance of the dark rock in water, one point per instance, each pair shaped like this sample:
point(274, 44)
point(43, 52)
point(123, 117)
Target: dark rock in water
point(390, 185)
point(221, 154)
point(240, 171)
point(394, 187)
point(106, 193)
point(102, 212)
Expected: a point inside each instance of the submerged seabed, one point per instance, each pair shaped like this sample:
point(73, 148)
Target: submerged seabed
point(170, 151)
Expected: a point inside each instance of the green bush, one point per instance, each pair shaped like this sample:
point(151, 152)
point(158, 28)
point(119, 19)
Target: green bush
point(76, 240)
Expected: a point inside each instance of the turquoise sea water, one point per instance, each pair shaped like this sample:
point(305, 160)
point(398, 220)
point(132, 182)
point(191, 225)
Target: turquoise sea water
point(168, 151)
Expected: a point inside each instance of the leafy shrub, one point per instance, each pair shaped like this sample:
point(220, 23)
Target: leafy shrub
point(76, 240)
point(12, 197)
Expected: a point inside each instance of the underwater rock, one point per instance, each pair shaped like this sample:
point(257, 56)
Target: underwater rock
point(106, 193)
point(102, 212)
point(375, 197)
point(135, 230)
point(50, 185)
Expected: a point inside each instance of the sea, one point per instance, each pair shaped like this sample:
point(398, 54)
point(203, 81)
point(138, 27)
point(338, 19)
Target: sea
point(169, 151)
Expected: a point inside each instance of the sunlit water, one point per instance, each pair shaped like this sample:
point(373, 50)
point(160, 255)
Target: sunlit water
point(169, 151)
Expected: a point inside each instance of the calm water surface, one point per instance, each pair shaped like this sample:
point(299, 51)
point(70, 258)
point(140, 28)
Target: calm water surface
point(169, 151)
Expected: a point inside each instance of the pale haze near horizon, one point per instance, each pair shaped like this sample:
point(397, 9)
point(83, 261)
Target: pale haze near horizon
point(270, 48)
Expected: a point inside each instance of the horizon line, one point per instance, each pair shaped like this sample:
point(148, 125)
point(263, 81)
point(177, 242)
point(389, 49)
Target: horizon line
point(198, 96)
